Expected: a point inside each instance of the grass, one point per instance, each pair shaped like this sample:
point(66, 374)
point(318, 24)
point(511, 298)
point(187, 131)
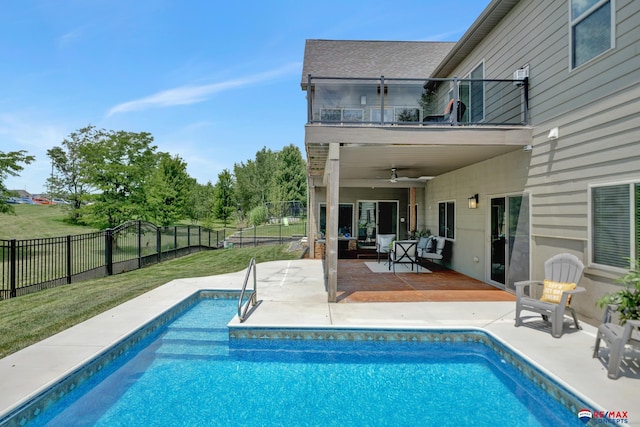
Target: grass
point(35, 221)
point(32, 318)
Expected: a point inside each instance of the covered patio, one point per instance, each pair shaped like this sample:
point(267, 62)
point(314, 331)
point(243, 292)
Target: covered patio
point(358, 284)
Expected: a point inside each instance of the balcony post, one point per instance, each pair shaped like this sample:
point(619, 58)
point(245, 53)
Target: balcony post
point(381, 100)
point(456, 96)
point(526, 100)
point(309, 103)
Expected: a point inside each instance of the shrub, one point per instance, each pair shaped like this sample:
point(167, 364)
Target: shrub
point(258, 215)
point(627, 299)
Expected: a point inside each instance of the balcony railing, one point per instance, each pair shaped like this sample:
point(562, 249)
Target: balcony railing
point(418, 102)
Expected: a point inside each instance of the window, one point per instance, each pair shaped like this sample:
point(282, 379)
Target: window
point(389, 114)
point(352, 115)
point(615, 222)
point(591, 29)
point(330, 114)
point(476, 95)
point(345, 218)
point(446, 219)
point(341, 114)
point(472, 95)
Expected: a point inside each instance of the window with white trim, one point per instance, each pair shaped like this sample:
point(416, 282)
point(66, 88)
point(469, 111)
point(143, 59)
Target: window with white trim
point(615, 224)
point(592, 29)
point(446, 219)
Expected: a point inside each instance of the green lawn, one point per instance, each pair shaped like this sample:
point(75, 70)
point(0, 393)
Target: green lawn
point(31, 318)
point(35, 221)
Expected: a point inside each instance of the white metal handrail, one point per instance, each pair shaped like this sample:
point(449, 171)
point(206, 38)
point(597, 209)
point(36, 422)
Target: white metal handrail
point(253, 299)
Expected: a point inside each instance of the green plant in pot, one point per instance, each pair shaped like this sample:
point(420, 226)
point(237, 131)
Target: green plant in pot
point(627, 300)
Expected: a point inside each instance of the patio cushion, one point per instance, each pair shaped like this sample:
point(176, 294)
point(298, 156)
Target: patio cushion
point(424, 245)
point(552, 291)
point(384, 242)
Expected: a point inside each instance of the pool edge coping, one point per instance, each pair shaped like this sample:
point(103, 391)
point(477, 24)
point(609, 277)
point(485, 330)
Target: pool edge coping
point(81, 371)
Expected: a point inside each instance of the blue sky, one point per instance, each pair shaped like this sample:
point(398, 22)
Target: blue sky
point(212, 81)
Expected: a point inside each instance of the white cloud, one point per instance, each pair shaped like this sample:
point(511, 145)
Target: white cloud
point(186, 95)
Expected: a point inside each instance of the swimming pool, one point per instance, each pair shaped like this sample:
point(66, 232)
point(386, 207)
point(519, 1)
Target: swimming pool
point(184, 370)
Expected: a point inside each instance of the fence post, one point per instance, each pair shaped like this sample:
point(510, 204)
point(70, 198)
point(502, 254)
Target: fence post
point(255, 233)
point(12, 268)
point(159, 244)
point(200, 236)
point(68, 259)
point(188, 239)
point(280, 233)
point(175, 241)
point(139, 244)
point(108, 253)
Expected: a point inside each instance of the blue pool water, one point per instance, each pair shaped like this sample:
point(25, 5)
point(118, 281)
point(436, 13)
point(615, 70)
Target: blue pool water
point(188, 373)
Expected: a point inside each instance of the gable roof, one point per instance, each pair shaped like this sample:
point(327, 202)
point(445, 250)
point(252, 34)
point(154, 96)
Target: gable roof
point(358, 58)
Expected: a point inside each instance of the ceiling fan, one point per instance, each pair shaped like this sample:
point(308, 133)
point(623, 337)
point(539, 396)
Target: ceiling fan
point(395, 178)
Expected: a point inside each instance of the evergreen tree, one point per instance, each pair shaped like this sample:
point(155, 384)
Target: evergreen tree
point(224, 205)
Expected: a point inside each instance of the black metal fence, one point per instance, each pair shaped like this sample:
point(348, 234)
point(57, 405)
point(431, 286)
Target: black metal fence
point(31, 265)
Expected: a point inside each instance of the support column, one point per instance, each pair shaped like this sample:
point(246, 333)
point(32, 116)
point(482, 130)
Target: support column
point(413, 212)
point(312, 233)
point(332, 178)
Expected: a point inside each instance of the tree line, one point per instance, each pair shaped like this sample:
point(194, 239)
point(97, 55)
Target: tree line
point(109, 177)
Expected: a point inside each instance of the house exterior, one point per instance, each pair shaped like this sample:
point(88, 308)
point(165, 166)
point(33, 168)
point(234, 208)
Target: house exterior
point(545, 157)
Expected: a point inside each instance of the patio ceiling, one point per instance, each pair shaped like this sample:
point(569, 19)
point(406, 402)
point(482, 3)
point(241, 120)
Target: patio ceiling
point(368, 155)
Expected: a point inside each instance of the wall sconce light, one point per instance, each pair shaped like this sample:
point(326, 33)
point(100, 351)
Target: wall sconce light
point(553, 134)
point(528, 148)
point(363, 99)
point(473, 201)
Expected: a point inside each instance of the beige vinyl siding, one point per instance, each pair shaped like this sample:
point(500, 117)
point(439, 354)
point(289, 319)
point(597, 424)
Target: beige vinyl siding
point(596, 109)
point(594, 106)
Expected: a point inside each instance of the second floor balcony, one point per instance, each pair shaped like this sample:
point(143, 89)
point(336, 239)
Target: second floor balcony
point(416, 102)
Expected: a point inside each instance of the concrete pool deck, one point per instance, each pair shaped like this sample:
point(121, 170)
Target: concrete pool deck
point(292, 293)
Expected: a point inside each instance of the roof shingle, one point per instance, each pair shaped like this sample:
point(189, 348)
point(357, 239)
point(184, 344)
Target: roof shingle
point(357, 58)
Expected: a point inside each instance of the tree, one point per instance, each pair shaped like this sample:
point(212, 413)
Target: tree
point(290, 180)
point(200, 202)
point(168, 190)
point(255, 179)
point(66, 179)
point(224, 205)
point(10, 164)
point(118, 165)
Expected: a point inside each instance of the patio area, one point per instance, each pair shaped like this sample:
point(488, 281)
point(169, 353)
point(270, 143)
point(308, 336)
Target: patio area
point(358, 283)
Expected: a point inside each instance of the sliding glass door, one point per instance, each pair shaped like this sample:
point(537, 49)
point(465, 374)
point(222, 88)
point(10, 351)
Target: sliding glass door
point(377, 217)
point(509, 250)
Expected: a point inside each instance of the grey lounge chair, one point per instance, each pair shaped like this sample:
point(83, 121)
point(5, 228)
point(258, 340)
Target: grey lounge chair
point(563, 268)
point(404, 252)
point(617, 338)
point(432, 250)
point(383, 244)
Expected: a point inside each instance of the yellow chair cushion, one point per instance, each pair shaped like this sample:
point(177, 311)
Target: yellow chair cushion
point(552, 291)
